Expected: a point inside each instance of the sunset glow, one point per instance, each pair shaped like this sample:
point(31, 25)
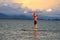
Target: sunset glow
point(38, 4)
point(26, 8)
point(49, 10)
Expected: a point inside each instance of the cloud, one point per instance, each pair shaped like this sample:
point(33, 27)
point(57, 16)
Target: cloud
point(49, 10)
point(38, 4)
point(12, 8)
point(49, 7)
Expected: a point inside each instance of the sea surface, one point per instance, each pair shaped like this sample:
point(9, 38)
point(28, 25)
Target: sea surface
point(24, 30)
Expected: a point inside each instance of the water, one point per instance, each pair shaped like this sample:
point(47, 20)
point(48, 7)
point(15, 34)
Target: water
point(23, 30)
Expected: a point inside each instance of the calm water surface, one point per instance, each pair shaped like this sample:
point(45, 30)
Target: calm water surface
point(23, 30)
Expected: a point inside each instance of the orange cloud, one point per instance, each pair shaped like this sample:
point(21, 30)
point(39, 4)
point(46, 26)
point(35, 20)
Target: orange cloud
point(18, 1)
point(38, 4)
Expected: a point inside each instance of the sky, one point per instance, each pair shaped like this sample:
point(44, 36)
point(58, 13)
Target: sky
point(43, 7)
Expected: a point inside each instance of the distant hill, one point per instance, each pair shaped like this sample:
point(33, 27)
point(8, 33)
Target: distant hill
point(22, 16)
point(3, 15)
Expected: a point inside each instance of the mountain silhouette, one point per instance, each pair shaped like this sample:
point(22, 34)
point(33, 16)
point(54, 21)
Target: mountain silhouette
point(22, 16)
point(3, 15)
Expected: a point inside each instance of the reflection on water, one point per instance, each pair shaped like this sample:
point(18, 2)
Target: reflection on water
point(28, 25)
point(23, 30)
point(28, 35)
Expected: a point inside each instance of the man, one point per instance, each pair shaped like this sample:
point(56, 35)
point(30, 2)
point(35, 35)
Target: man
point(35, 25)
point(35, 18)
